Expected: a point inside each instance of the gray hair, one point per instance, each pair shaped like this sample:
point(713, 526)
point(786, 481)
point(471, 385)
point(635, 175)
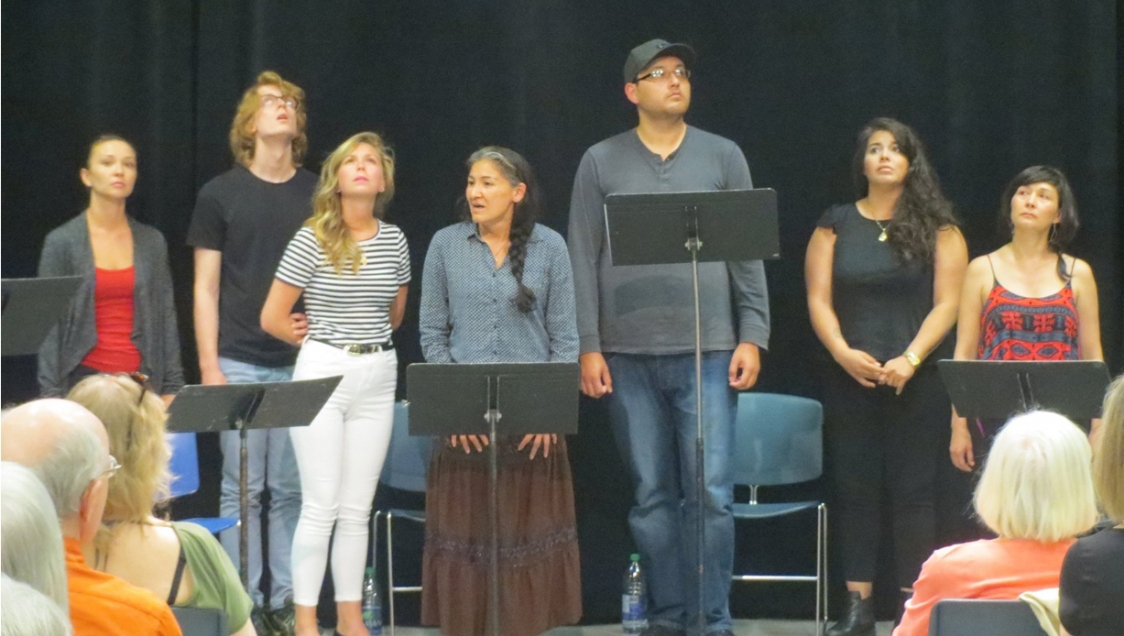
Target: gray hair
point(29, 528)
point(28, 612)
point(67, 470)
point(495, 155)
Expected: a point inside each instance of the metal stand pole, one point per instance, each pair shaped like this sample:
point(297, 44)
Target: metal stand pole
point(694, 245)
point(493, 416)
point(241, 424)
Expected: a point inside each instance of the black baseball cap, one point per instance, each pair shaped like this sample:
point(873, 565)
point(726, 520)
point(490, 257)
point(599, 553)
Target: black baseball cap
point(640, 57)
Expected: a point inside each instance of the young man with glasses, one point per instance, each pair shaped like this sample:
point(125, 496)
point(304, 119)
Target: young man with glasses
point(636, 326)
point(243, 220)
point(67, 448)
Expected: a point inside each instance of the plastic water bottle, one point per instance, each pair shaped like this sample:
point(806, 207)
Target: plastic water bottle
point(634, 599)
point(372, 604)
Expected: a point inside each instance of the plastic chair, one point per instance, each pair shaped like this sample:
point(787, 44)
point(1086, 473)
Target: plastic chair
point(184, 466)
point(779, 441)
point(407, 462)
point(962, 617)
point(198, 621)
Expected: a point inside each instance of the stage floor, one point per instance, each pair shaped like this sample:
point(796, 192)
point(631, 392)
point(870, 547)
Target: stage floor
point(741, 628)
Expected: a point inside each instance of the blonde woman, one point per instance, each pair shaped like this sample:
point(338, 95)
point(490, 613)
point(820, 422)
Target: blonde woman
point(178, 561)
point(353, 269)
point(1036, 494)
point(1092, 582)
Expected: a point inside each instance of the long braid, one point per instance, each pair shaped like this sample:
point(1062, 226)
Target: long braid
point(525, 297)
point(516, 170)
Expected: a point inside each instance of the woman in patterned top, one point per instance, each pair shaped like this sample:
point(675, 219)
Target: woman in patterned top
point(352, 268)
point(1028, 300)
point(498, 287)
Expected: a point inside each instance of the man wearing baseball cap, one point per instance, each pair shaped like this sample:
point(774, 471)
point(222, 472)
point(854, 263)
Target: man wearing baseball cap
point(636, 326)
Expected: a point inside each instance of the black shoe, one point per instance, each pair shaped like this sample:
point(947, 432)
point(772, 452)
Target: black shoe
point(283, 621)
point(858, 620)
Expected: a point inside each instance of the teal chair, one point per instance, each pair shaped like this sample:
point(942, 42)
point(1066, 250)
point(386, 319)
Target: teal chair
point(405, 468)
point(960, 617)
point(779, 441)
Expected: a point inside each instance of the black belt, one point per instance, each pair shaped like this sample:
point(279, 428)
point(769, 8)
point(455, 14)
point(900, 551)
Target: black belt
point(359, 349)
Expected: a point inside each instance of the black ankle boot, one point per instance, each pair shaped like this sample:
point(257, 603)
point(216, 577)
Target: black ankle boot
point(858, 620)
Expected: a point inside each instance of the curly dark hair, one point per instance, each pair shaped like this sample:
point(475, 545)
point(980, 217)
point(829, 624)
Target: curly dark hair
point(516, 170)
point(922, 209)
point(1066, 227)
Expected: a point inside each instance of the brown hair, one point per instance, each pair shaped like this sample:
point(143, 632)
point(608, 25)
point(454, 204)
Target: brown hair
point(327, 212)
point(242, 139)
point(101, 139)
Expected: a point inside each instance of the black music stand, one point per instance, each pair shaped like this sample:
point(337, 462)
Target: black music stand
point(31, 308)
point(241, 407)
point(693, 227)
point(997, 389)
point(472, 399)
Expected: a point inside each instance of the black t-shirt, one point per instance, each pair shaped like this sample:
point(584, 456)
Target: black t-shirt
point(1092, 586)
point(880, 300)
point(250, 221)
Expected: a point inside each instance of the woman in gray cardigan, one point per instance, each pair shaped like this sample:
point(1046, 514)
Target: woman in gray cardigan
point(123, 318)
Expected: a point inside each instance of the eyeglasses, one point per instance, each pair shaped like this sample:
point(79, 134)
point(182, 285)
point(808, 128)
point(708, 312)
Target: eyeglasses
point(660, 75)
point(108, 473)
point(270, 101)
point(142, 381)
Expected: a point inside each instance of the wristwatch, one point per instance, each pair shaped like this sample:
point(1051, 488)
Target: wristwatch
point(912, 358)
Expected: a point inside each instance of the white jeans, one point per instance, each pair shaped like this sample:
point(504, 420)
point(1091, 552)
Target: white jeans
point(340, 456)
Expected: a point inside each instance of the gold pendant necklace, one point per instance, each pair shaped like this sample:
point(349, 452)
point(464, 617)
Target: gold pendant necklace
point(883, 236)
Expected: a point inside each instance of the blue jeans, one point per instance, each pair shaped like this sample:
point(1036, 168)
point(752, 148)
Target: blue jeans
point(270, 462)
point(653, 414)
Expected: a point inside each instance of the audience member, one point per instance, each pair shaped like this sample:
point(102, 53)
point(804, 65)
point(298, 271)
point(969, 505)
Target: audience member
point(1036, 494)
point(67, 448)
point(28, 612)
point(29, 529)
point(181, 562)
point(1092, 584)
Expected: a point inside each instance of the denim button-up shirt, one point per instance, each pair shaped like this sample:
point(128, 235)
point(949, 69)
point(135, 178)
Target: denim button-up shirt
point(468, 312)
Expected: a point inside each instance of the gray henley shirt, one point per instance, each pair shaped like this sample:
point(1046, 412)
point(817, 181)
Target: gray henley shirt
point(649, 309)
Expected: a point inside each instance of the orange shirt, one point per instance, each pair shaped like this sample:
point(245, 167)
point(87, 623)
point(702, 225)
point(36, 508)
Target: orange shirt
point(991, 569)
point(104, 605)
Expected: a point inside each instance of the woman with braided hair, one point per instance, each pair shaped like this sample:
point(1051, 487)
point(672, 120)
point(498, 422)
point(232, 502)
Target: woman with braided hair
point(497, 287)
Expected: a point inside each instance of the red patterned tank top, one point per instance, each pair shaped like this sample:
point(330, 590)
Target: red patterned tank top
point(1014, 327)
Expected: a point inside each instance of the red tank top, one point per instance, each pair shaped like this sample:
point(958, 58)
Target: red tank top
point(1014, 327)
point(113, 312)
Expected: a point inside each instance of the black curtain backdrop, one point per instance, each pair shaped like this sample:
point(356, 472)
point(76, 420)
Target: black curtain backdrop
point(992, 87)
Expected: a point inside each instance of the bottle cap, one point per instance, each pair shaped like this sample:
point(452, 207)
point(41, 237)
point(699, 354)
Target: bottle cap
point(635, 558)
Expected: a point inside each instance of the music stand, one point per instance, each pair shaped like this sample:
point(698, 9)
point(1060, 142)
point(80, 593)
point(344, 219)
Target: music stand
point(31, 308)
point(472, 399)
point(693, 227)
point(997, 389)
point(241, 407)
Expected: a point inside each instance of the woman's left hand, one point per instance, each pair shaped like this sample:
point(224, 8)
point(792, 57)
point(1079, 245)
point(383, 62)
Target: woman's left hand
point(896, 373)
point(540, 441)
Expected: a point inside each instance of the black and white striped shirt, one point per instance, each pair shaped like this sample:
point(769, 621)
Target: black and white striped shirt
point(348, 308)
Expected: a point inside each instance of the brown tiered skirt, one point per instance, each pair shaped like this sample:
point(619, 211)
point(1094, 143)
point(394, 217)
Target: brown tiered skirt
point(539, 569)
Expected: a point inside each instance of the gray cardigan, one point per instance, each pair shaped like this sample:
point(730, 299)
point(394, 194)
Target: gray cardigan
point(67, 252)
